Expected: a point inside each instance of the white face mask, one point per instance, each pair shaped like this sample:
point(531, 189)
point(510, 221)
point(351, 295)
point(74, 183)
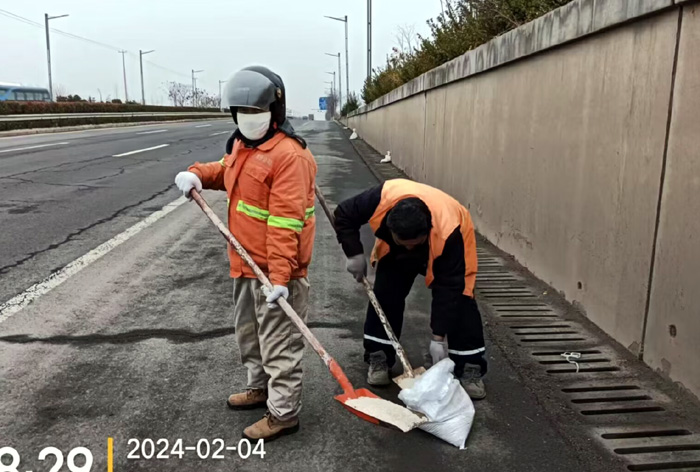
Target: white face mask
point(254, 126)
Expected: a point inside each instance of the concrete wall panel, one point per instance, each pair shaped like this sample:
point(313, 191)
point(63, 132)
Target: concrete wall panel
point(559, 159)
point(674, 317)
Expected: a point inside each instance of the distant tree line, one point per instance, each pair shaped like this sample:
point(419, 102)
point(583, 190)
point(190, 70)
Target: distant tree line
point(463, 25)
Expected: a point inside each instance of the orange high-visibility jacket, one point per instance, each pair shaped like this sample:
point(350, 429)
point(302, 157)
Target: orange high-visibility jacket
point(270, 205)
point(451, 225)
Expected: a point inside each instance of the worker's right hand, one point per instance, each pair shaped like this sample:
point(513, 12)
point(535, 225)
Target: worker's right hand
point(187, 181)
point(438, 350)
point(357, 266)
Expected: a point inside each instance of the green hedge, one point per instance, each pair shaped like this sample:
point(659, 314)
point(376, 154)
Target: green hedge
point(78, 121)
point(34, 108)
point(463, 25)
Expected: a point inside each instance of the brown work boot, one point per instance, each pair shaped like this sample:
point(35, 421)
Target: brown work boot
point(248, 400)
point(269, 428)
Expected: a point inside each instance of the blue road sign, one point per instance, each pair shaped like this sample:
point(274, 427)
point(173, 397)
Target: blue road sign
point(322, 103)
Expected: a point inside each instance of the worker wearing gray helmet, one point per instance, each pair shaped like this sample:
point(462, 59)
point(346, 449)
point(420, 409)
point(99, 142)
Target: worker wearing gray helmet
point(269, 175)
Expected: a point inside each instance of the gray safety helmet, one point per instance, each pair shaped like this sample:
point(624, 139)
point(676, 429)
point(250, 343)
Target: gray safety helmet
point(255, 87)
point(258, 87)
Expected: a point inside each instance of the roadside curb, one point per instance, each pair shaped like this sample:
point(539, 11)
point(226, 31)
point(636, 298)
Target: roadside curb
point(371, 158)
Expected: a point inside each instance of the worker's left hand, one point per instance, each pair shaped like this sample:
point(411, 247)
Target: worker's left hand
point(276, 292)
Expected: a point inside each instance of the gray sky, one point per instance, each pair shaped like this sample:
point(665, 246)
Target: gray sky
point(219, 36)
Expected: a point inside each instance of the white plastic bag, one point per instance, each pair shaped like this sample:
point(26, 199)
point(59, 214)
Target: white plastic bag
point(439, 396)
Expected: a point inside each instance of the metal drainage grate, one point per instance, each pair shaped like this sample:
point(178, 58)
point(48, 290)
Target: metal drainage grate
point(654, 449)
point(627, 418)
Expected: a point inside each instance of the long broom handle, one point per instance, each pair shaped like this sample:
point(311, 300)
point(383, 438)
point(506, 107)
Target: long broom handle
point(332, 365)
point(407, 368)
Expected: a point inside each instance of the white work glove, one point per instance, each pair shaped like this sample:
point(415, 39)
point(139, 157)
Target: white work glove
point(357, 266)
point(438, 350)
point(276, 292)
point(187, 181)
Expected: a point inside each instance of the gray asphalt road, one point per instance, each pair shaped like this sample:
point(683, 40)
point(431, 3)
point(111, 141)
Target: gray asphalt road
point(64, 193)
point(140, 343)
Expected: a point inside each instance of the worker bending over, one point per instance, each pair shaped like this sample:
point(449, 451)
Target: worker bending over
point(419, 230)
point(268, 174)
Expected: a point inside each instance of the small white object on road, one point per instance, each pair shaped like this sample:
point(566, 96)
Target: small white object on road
point(16, 303)
point(386, 411)
point(141, 150)
point(570, 358)
point(202, 126)
point(220, 132)
point(154, 131)
point(354, 134)
point(387, 158)
point(33, 147)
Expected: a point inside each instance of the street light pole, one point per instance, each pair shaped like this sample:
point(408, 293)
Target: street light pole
point(126, 93)
point(340, 79)
point(369, 39)
point(347, 61)
point(194, 86)
point(141, 54)
point(48, 49)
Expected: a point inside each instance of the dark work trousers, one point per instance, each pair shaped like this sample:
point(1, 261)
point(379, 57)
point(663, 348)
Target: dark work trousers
point(394, 278)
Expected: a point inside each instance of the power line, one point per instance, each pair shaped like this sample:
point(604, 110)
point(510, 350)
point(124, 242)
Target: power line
point(22, 19)
point(57, 31)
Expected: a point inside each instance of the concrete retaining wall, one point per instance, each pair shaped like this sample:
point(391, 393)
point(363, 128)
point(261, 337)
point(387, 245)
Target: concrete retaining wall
point(560, 153)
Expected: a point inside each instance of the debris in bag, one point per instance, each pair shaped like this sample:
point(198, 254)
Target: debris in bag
point(442, 399)
point(386, 411)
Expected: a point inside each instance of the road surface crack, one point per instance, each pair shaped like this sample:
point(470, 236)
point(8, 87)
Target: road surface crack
point(30, 181)
point(177, 336)
point(41, 169)
point(80, 231)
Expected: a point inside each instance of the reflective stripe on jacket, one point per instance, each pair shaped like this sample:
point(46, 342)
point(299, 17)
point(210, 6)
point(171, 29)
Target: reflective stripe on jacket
point(271, 205)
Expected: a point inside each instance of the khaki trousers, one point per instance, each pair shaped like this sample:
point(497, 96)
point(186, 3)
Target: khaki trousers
point(271, 346)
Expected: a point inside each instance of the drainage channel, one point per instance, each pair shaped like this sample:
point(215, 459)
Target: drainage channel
point(621, 410)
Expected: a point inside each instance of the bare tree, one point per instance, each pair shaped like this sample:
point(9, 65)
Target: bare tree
point(331, 104)
point(59, 90)
point(205, 100)
point(406, 38)
point(179, 93)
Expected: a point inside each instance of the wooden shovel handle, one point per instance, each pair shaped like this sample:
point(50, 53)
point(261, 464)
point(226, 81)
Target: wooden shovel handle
point(407, 368)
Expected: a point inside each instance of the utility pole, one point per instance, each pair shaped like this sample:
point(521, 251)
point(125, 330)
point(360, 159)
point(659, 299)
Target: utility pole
point(347, 62)
point(340, 80)
point(141, 54)
point(220, 82)
point(48, 49)
point(194, 86)
point(369, 39)
point(126, 93)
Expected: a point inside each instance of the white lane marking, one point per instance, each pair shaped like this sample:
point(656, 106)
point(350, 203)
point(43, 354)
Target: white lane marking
point(154, 131)
point(220, 132)
point(33, 147)
point(202, 126)
point(141, 150)
point(20, 301)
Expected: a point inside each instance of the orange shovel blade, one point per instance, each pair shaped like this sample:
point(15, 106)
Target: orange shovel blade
point(360, 392)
